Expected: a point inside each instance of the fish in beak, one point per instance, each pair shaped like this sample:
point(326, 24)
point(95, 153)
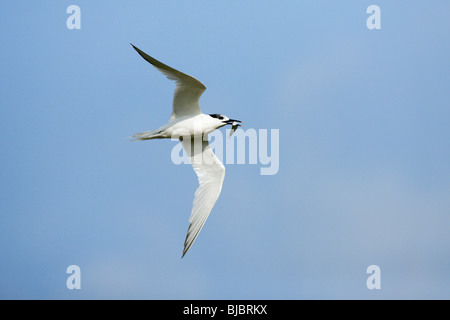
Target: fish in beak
point(234, 125)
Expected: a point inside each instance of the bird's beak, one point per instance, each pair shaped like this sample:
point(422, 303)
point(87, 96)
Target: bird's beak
point(234, 125)
point(234, 122)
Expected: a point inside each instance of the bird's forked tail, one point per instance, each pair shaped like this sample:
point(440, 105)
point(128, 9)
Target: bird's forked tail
point(147, 135)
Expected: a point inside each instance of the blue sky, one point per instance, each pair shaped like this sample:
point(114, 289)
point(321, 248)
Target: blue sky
point(364, 176)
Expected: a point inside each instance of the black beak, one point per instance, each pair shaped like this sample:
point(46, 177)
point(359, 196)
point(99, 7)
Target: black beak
point(231, 121)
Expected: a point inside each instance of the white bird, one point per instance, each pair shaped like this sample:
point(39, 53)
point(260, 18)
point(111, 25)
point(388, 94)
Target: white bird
point(192, 127)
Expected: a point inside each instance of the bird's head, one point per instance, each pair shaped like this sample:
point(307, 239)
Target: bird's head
point(223, 120)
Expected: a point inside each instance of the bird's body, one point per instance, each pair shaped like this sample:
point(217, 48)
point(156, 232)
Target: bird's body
point(197, 126)
point(192, 127)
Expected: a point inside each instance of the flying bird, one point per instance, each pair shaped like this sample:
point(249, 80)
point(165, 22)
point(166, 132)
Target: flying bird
point(188, 124)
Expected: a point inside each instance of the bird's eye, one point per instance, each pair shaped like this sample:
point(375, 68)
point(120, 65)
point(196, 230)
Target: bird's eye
point(220, 118)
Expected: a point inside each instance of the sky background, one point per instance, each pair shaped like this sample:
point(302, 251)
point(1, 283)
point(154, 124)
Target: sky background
point(364, 174)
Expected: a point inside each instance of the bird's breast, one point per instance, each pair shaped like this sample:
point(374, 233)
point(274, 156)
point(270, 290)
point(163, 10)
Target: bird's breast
point(194, 126)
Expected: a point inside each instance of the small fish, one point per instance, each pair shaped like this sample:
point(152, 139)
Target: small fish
point(234, 126)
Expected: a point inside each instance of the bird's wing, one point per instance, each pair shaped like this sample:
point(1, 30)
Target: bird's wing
point(210, 172)
point(187, 92)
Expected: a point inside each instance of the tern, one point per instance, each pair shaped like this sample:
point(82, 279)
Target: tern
point(188, 124)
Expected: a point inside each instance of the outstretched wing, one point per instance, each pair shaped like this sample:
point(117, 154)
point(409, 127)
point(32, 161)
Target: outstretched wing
point(187, 92)
point(210, 172)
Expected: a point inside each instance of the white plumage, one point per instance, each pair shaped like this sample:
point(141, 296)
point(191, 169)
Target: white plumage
point(192, 127)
